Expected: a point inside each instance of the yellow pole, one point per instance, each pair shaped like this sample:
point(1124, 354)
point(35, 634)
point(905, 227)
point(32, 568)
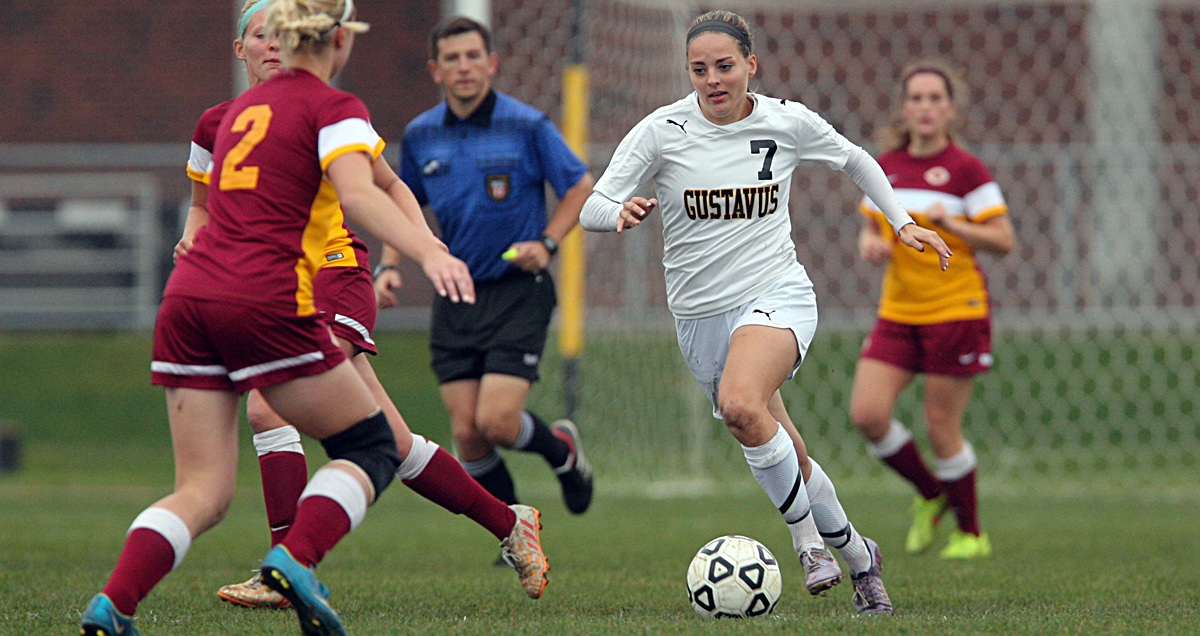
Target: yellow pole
point(572, 252)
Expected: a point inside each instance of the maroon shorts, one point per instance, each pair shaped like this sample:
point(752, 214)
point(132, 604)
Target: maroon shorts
point(345, 298)
point(218, 345)
point(962, 347)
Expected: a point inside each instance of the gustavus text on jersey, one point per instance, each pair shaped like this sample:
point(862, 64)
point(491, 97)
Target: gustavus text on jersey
point(731, 203)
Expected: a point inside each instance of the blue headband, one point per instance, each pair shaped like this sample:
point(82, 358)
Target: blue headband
point(254, 8)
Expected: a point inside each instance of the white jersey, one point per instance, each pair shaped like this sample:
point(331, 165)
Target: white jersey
point(723, 194)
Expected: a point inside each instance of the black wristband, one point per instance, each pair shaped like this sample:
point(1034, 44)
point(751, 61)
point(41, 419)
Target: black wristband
point(550, 244)
point(379, 269)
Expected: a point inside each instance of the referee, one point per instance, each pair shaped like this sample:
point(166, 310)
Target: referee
point(480, 161)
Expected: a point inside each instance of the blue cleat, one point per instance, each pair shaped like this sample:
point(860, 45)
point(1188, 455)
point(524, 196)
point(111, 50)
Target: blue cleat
point(284, 574)
point(101, 618)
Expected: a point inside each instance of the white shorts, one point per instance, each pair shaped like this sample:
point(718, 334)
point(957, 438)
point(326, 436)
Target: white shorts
point(789, 304)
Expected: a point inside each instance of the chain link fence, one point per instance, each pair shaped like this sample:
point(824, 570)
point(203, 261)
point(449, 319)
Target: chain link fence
point(1088, 115)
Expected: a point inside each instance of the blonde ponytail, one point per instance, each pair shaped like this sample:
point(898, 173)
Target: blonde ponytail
point(308, 24)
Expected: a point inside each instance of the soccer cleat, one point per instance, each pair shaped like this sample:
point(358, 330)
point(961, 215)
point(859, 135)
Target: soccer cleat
point(575, 476)
point(253, 594)
point(522, 550)
point(870, 597)
point(821, 570)
point(101, 618)
point(282, 573)
point(925, 513)
point(964, 545)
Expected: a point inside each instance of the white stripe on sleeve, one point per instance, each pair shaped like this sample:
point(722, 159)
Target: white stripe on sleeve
point(200, 160)
point(986, 197)
point(346, 133)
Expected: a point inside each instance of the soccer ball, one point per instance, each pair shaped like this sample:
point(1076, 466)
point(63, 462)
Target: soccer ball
point(733, 577)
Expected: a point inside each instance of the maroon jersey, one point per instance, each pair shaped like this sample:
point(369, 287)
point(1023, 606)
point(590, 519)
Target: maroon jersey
point(915, 289)
point(343, 248)
point(272, 212)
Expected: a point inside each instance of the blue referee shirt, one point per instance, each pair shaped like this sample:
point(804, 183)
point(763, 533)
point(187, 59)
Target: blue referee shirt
point(483, 176)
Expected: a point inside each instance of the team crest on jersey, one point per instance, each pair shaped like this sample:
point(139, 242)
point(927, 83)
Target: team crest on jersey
point(937, 176)
point(498, 186)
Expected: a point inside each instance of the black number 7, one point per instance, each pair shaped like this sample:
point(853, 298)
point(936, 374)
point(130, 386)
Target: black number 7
point(757, 145)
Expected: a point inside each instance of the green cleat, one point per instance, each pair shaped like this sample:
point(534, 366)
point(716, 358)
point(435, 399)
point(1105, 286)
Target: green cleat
point(964, 545)
point(925, 513)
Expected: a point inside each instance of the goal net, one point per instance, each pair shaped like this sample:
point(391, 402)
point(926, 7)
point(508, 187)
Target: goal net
point(1088, 115)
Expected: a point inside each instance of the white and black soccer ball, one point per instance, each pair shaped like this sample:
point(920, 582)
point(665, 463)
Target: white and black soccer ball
point(733, 577)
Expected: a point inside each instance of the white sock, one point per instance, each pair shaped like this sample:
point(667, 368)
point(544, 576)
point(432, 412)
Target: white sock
point(895, 439)
point(418, 458)
point(167, 524)
point(835, 528)
point(777, 469)
point(342, 487)
point(284, 438)
point(956, 467)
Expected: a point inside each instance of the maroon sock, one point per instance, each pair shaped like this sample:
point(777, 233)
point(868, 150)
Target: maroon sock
point(320, 523)
point(445, 483)
point(907, 461)
point(284, 475)
point(960, 494)
point(146, 558)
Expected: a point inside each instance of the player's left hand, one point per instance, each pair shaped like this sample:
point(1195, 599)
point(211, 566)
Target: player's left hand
point(918, 237)
point(531, 256)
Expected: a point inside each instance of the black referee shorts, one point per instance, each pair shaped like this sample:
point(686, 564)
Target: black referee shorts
point(503, 332)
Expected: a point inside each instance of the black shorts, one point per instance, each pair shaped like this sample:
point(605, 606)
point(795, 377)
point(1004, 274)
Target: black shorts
point(503, 332)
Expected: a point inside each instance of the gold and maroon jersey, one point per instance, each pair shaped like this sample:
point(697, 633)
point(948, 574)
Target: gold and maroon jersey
point(271, 209)
point(343, 248)
point(915, 289)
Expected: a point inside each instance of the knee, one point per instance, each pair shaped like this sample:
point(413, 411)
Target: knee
point(871, 420)
point(371, 445)
point(741, 416)
point(498, 428)
point(260, 416)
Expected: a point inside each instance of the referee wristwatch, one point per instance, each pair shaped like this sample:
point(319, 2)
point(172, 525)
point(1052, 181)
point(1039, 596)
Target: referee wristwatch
point(381, 268)
point(550, 244)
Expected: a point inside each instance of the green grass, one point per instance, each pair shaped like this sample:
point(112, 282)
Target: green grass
point(1099, 553)
point(1065, 563)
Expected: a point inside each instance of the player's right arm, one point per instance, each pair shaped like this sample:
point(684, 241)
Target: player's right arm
point(372, 208)
point(612, 206)
point(197, 217)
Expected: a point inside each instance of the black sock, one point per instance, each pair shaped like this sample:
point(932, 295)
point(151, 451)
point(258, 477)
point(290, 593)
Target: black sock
point(492, 473)
point(536, 437)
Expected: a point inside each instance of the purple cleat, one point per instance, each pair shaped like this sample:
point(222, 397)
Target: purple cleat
point(821, 570)
point(870, 597)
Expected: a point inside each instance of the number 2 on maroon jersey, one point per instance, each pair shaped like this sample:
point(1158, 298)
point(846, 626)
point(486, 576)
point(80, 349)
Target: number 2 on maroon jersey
point(233, 177)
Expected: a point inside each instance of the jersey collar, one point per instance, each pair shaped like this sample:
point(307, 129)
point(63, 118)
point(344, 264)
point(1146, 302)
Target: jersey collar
point(481, 116)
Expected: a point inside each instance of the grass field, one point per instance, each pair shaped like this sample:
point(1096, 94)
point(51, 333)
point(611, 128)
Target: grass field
point(1097, 556)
